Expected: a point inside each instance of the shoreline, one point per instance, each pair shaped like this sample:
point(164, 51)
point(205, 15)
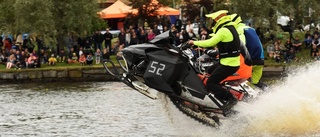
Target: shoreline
point(95, 74)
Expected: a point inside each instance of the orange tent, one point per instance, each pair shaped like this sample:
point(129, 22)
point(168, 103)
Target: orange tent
point(116, 10)
point(168, 11)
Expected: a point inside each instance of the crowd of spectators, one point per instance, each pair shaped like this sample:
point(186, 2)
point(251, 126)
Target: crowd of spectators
point(287, 51)
point(19, 52)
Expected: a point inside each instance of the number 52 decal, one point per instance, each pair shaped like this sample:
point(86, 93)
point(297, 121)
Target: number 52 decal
point(156, 68)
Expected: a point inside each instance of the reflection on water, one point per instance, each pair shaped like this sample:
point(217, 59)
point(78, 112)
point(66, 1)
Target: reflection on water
point(289, 108)
point(79, 109)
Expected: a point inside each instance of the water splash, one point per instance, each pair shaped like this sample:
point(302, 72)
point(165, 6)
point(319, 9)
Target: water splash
point(288, 108)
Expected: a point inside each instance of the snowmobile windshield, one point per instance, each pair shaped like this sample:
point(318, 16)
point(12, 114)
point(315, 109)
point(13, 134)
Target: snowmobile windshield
point(164, 37)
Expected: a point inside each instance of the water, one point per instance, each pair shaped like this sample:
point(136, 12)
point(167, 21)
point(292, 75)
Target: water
point(289, 108)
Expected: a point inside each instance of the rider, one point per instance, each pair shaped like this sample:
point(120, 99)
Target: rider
point(250, 38)
point(227, 40)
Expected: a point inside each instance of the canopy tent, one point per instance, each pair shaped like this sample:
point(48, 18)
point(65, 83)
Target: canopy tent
point(116, 10)
point(168, 11)
point(119, 10)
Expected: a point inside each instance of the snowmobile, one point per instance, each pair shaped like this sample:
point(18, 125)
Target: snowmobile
point(158, 66)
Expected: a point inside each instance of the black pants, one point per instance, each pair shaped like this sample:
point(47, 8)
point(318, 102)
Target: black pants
point(219, 73)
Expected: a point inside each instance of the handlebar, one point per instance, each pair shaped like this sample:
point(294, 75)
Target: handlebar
point(185, 46)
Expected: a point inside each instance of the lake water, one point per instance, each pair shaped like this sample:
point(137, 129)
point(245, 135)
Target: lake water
point(289, 108)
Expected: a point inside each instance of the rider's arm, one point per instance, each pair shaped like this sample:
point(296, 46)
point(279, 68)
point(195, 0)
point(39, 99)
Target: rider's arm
point(215, 39)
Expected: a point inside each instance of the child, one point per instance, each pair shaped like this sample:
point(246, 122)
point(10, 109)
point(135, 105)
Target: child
point(62, 56)
point(32, 61)
point(82, 59)
point(52, 60)
point(11, 61)
point(98, 56)
point(277, 54)
point(89, 59)
point(291, 56)
point(74, 58)
point(80, 51)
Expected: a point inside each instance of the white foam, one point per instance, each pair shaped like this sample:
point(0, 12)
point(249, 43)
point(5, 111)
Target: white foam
point(288, 108)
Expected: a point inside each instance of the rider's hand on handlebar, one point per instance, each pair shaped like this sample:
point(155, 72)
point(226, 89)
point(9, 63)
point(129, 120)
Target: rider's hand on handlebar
point(190, 42)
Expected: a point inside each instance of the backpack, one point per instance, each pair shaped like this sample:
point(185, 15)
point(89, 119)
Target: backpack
point(253, 44)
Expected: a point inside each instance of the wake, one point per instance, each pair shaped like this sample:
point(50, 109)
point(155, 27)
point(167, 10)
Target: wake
point(289, 107)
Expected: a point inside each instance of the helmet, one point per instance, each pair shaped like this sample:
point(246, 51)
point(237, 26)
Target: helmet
point(219, 19)
point(236, 18)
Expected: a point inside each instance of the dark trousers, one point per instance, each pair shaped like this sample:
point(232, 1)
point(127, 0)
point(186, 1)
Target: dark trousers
point(218, 74)
point(108, 45)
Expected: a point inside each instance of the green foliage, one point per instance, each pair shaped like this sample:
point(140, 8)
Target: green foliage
point(146, 10)
point(48, 18)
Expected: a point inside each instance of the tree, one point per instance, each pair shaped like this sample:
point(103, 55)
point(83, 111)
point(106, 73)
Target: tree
point(49, 19)
point(147, 10)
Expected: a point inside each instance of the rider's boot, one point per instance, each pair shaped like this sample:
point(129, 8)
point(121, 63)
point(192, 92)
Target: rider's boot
point(229, 102)
point(261, 85)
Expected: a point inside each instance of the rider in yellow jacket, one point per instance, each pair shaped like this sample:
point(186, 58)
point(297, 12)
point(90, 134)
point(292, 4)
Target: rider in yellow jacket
point(226, 38)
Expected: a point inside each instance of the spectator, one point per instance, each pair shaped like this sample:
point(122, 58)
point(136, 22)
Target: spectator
point(116, 47)
point(288, 44)
point(80, 51)
point(165, 28)
point(7, 45)
point(32, 61)
point(134, 39)
point(191, 34)
point(142, 36)
point(277, 54)
point(11, 61)
point(297, 44)
point(314, 52)
point(44, 56)
point(107, 40)
point(184, 36)
point(122, 37)
point(23, 60)
point(2, 57)
point(307, 34)
point(127, 38)
point(87, 47)
point(316, 41)
point(98, 56)
point(177, 39)
point(184, 20)
point(62, 56)
point(204, 33)
point(290, 55)
point(73, 59)
point(189, 26)
point(70, 55)
point(160, 27)
point(89, 59)
point(83, 59)
point(155, 30)
point(270, 49)
point(178, 24)
point(308, 42)
point(18, 59)
point(52, 60)
point(98, 39)
point(151, 35)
